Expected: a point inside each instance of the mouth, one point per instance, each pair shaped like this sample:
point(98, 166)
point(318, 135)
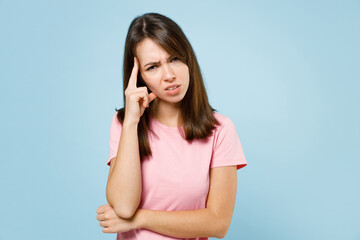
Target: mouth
point(172, 88)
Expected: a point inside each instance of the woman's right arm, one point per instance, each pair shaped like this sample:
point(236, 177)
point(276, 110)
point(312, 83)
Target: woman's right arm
point(123, 190)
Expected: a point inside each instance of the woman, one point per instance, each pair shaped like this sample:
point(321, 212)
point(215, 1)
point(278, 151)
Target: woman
point(173, 159)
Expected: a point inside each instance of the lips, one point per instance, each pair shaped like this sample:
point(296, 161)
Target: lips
point(171, 86)
point(174, 91)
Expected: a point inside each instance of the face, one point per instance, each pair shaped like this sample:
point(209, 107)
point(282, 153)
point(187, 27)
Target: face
point(160, 71)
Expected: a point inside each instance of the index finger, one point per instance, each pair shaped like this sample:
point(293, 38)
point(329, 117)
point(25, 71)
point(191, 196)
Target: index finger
point(133, 76)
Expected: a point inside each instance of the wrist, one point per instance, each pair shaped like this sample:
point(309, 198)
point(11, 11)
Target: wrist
point(140, 218)
point(130, 123)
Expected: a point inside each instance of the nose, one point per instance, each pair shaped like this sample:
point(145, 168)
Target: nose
point(168, 73)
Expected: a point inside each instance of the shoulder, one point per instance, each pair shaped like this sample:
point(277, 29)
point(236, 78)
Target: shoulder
point(225, 121)
point(226, 129)
point(115, 123)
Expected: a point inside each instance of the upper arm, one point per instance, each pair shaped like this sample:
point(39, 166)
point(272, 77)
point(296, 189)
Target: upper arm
point(112, 161)
point(222, 194)
point(115, 133)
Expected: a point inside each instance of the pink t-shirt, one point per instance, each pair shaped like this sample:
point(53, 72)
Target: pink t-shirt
point(176, 177)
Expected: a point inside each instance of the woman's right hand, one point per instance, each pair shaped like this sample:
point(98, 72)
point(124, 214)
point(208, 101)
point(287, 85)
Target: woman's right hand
point(137, 98)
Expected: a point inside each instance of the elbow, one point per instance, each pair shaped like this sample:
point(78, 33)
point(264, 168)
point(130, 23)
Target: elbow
point(124, 213)
point(123, 207)
point(122, 210)
point(221, 233)
point(222, 227)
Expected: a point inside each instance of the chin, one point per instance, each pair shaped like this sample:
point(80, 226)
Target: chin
point(171, 100)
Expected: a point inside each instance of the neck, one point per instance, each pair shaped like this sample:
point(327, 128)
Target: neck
point(167, 113)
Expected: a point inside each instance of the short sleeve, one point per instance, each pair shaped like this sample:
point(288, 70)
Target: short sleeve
point(115, 132)
point(227, 148)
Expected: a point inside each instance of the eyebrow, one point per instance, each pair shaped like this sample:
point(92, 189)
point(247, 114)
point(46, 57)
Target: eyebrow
point(154, 63)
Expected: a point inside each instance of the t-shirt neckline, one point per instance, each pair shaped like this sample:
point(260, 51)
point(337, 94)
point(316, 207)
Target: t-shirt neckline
point(157, 123)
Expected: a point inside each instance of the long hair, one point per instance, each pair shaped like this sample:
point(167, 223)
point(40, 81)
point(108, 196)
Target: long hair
point(196, 114)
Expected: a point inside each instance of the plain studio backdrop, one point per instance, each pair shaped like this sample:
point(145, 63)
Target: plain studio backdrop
point(286, 73)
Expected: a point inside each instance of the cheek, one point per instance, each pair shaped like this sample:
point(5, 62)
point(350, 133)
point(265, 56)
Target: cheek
point(186, 74)
point(148, 82)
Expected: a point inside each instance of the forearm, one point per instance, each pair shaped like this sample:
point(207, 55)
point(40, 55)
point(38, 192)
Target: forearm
point(181, 224)
point(124, 188)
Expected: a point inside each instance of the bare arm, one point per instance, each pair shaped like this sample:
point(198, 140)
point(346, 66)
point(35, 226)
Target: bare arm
point(182, 224)
point(212, 221)
point(123, 190)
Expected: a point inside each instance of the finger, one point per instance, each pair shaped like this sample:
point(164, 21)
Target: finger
point(144, 96)
point(151, 96)
point(142, 99)
point(103, 223)
point(140, 96)
point(145, 101)
point(100, 209)
point(133, 76)
point(101, 217)
point(139, 90)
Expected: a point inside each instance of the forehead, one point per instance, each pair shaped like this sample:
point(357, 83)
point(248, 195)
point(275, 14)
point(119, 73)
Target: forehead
point(147, 50)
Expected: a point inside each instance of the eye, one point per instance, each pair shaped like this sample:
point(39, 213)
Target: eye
point(151, 68)
point(175, 59)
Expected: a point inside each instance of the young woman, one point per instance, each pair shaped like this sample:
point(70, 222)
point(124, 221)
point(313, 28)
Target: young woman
point(173, 159)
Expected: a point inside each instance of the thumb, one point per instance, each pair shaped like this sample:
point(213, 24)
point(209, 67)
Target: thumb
point(151, 96)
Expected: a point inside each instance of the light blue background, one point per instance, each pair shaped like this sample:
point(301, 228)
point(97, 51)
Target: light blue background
point(286, 73)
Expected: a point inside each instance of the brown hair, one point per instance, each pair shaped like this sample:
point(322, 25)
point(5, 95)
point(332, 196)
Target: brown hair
point(196, 114)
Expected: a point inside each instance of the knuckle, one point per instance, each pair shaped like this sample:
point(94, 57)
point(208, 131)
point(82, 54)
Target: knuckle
point(132, 97)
